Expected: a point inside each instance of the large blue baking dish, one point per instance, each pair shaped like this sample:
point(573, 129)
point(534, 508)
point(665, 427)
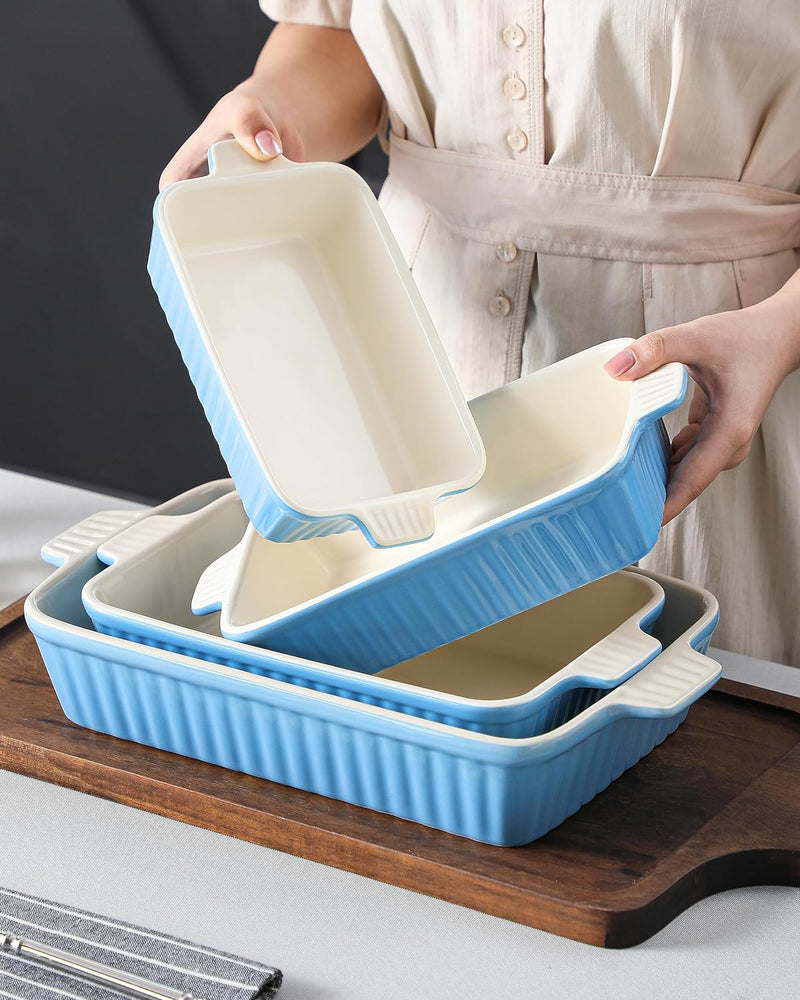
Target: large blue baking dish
point(574, 489)
point(547, 664)
point(501, 791)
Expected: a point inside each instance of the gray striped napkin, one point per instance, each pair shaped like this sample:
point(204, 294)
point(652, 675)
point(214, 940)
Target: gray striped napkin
point(181, 965)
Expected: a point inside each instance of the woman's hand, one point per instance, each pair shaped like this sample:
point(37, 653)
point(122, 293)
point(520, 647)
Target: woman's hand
point(242, 114)
point(737, 361)
point(312, 95)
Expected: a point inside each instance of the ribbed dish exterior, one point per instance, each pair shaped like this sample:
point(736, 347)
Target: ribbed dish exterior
point(488, 576)
point(541, 714)
point(269, 515)
point(486, 792)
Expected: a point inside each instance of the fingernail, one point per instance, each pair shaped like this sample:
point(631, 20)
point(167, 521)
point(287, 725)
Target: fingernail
point(268, 143)
point(621, 363)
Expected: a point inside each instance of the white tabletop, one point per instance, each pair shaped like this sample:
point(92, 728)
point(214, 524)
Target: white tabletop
point(334, 934)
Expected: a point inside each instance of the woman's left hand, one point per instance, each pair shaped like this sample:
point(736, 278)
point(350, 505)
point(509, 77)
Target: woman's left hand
point(737, 361)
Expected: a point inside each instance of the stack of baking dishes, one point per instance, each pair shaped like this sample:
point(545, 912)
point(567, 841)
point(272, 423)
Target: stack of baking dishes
point(407, 602)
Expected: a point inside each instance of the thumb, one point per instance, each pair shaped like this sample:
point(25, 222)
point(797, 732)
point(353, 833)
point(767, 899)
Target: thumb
point(651, 351)
point(267, 141)
point(262, 144)
point(243, 118)
point(255, 131)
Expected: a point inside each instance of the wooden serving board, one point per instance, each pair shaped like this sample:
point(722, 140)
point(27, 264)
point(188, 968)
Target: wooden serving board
point(714, 807)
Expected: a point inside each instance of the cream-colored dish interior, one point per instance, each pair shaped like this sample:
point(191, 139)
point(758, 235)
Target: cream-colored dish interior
point(513, 657)
point(158, 583)
point(543, 434)
point(321, 341)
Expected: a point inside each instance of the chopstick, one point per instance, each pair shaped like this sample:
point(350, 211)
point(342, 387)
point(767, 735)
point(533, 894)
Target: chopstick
point(115, 979)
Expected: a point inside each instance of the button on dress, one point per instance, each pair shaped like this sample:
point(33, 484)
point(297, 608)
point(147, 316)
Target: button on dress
point(643, 171)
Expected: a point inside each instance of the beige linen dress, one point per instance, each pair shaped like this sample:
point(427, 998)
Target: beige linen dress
point(569, 171)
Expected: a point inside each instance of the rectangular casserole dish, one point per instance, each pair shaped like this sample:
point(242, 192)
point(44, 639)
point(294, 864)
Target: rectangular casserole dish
point(547, 664)
point(501, 791)
point(312, 352)
point(574, 489)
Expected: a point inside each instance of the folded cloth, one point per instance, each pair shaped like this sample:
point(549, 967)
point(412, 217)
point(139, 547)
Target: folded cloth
point(168, 961)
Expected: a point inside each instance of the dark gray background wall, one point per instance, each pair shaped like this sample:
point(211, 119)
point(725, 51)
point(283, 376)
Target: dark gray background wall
point(95, 96)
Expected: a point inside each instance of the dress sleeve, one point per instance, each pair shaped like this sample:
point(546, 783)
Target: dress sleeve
point(325, 13)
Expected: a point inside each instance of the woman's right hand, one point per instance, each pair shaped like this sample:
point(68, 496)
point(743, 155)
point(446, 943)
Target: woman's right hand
point(242, 114)
point(312, 95)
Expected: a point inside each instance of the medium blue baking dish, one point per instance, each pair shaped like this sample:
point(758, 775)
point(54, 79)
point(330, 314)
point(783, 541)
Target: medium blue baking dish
point(501, 791)
point(574, 489)
point(548, 663)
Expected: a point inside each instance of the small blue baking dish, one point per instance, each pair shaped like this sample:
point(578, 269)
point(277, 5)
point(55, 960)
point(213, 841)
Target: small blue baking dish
point(319, 369)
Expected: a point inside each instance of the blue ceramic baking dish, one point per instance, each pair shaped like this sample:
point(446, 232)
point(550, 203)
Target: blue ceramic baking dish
point(501, 791)
point(319, 369)
point(574, 489)
point(547, 664)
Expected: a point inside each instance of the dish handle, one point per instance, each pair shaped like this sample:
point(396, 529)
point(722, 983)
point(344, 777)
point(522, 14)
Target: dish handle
point(87, 535)
point(399, 521)
point(658, 393)
point(668, 684)
point(96, 531)
point(132, 540)
point(614, 656)
point(663, 689)
point(215, 582)
point(228, 159)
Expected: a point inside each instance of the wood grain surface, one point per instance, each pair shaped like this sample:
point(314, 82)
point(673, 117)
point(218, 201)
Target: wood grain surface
point(714, 807)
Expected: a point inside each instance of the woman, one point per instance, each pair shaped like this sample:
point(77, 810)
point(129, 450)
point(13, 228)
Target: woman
point(605, 170)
